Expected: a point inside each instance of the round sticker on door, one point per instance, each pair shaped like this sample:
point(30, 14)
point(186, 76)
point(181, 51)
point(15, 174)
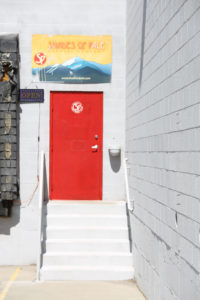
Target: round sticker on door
point(77, 107)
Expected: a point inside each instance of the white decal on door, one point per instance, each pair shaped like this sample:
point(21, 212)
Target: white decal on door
point(77, 107)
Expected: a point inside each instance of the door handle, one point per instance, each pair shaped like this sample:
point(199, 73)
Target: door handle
point(95, 147)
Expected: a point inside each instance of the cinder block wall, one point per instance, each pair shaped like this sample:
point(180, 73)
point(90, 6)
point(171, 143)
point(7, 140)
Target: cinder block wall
point(163, 144)
point(18, 234)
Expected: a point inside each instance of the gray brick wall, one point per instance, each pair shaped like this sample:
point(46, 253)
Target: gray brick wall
point(163, 144)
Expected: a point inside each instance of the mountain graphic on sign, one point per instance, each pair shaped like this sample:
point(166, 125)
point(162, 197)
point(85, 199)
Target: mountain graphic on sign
point(75, 70)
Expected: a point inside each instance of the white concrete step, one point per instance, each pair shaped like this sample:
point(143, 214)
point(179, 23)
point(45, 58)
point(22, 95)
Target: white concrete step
point(80, 220)
point(81, 245)
point(87, 273)
point(87, 259)
point(86, 207)
point(87, 240)
point(87, 233)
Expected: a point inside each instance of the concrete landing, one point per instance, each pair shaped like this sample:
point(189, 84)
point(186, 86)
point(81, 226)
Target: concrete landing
point(25, 287)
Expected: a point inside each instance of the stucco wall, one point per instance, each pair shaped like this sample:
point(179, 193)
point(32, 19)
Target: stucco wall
point(88, 17)
point(162, 145)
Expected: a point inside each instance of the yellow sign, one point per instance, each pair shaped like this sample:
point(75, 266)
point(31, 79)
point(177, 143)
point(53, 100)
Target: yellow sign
point(72, 58)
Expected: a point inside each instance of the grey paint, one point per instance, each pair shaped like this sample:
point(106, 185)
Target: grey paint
point(163, 148)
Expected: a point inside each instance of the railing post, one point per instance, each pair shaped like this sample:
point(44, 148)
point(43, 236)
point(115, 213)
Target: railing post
point(40, 212)
point(129, 204)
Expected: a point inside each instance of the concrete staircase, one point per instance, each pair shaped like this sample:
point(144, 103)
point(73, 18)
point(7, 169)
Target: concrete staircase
point(86, 240)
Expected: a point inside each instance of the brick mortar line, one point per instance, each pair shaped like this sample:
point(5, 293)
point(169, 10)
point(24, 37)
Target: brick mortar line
point(146, 64)
point(178, 233)
point(164, 98)
point(167, 170)
point(166, 115)
point(177, 50)
point(166, 78)
point(129, 94)
point(171, 208)
point(161, 240)
point(162, 134)
point(167, 151)
point(165, 187)
point(138, 48)
point(165, 26)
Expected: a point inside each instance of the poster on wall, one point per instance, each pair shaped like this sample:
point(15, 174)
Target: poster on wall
point(71, 58)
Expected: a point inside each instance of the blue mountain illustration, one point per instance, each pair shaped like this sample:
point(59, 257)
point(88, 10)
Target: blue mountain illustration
point(75, 70)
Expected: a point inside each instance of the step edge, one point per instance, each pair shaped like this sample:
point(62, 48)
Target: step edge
point(118, 216)
point(60, 268)
point(83, 202)
point(85, 228)
point(85, 254)
point(68, 241)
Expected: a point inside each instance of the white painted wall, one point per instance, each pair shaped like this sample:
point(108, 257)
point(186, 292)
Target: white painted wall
point(163, 147)
point(86, 17)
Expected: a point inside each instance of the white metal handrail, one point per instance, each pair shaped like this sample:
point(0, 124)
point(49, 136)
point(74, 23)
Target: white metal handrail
point(40, 221)
point(129, 202)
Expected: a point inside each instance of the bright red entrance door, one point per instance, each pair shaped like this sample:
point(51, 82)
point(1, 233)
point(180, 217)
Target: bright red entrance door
point(76, 146)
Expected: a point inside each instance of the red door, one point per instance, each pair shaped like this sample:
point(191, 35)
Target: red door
point(76, 146)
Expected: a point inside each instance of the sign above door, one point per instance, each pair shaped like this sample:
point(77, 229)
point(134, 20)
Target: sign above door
point(72, 58)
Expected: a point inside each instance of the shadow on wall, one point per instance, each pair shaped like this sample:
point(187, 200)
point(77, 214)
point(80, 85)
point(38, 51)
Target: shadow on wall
point(6, 223)
point(115, 162)
point(44, 212)
point(46, 190)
